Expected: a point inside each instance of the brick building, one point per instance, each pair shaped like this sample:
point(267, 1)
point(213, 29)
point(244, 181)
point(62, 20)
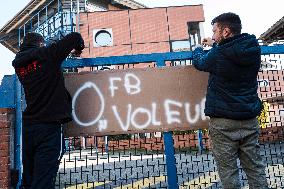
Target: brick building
point(108, 26)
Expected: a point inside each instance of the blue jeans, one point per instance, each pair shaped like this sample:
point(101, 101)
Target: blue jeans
point(43, 148)
point(233, 139)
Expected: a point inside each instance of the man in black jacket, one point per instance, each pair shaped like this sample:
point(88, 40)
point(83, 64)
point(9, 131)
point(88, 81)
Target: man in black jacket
point(232, 101)
point(38, 68)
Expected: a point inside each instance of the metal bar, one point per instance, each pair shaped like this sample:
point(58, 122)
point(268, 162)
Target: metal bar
point(38, 20)
point(31, 22)
point(58, 6)
point(38, 14)
point(78, 16)
point(106, 144)
point(46, 14)
point(19, 37)
point(170, 160)
point(199, 137)
point(97, 146)
point(71, 19)
point(127, 59)
point(18, 130)
point(155, 57)
point(276, 49)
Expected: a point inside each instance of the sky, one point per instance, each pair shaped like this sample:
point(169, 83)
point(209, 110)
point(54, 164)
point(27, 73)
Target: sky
point(257, 16)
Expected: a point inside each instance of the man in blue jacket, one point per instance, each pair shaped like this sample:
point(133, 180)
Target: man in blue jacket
point(232, 102)
point(38, 68)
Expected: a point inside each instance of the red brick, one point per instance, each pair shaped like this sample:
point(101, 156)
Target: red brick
point(5, 124)
point(4, 161)
point(7, 110)
point(4, 131)
point(4, 145)
point(4, 169)
point(4, 181)
point(5, 151)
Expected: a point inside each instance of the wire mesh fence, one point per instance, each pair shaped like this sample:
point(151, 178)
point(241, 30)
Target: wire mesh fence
point(139, 160)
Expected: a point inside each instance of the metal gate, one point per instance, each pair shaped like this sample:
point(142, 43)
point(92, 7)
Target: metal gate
point(179, 159)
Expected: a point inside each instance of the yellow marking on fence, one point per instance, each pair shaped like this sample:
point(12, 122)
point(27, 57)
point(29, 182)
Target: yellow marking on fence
point(87, 185)
point(146, 182)
point(204, 181)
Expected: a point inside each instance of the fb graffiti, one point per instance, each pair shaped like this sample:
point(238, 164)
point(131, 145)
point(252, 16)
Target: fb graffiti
point(171, 109)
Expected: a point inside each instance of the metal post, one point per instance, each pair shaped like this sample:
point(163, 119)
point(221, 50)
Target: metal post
point(18, 130)
point(58, 6)
point(19, 37)
point(24, 29)
point(31, 22)
point(96, 139)
point(106, 144)
point(45, 23)
point(71, 20)
point(170, 160)
point(78, 16)
point(199, 137)
point(85, 5)
point(169, 151)
point(38, 20)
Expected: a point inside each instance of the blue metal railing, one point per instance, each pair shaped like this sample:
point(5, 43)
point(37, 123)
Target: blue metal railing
point(159, 58)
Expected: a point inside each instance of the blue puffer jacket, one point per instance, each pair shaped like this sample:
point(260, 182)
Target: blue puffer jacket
point(232, 86)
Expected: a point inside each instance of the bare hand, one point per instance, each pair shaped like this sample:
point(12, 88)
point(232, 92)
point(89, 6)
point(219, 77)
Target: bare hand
point(76, 53)
point(208, 42)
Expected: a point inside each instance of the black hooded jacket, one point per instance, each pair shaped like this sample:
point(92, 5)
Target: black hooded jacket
point(233, 66)
point(39, 71)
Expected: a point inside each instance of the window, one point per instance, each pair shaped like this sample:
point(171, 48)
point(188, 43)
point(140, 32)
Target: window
point(102, 37)
point(178, 46)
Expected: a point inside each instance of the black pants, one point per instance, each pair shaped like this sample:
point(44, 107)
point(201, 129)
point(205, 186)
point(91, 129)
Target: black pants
point(42, 150)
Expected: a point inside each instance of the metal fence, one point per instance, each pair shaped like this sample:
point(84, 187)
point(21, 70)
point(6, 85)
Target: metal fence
point(147, 160)
point(140, 160)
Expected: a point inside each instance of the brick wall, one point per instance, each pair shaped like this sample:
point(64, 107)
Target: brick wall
point(6, 121)
point(140, 31)
point(149, 144)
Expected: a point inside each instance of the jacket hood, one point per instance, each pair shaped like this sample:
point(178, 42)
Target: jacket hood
point(242, 49)
point(24, 57)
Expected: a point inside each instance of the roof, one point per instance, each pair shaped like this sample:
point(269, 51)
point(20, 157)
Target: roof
point(10, 30)
point(274, 33)
point(130, 3)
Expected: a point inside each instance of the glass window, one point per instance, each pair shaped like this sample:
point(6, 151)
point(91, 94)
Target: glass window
point(102, 37)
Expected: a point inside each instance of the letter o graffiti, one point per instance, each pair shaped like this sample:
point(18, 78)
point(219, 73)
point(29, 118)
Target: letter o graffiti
point(86, 86)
